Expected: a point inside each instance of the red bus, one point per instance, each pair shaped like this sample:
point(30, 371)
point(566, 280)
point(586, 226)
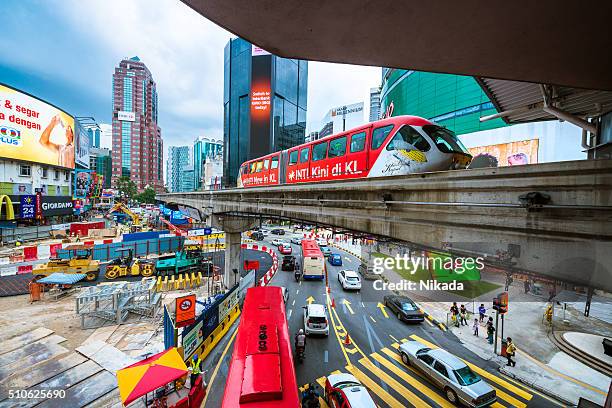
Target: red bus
point(261, 372)
point(394, 146)
point(313, 261)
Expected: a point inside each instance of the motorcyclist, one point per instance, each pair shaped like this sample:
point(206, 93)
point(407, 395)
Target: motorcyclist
point(300, 342)
point(297, 273)
point(310, 397)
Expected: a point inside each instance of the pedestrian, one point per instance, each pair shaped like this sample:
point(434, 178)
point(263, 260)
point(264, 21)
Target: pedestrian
point(481, 311)
point(510, 351)
point(454, 310)
point(195, 369)
point(490, 330)
point(463, 314)
point(475, 326)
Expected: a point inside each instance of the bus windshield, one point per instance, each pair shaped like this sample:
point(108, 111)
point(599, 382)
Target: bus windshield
point(444, 139)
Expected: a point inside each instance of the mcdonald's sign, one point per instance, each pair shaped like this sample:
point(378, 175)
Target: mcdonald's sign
point(10, 212)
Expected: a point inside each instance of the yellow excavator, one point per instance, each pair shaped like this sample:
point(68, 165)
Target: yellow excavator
point(137, 224)
point(128, 265)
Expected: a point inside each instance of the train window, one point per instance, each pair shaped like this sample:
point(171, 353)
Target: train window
point(319, 151)
point(253, 167)
point(293, 157)
point(358, 142)
point(379, 135)
point(337, 147)
point(304, 155)
point(407, 137)
point(274, 163)
point(266, 165)
point(259, 166)
point(444, 139)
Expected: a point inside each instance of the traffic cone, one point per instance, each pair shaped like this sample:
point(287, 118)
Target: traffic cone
point(347, 340)
point(333, 303)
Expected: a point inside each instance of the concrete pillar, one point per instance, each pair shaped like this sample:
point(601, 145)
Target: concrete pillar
point(232, 258)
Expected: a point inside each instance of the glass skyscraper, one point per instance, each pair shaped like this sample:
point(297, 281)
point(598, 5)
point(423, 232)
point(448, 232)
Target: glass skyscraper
point(204, 149)
point(179, 163)
point(264, 103)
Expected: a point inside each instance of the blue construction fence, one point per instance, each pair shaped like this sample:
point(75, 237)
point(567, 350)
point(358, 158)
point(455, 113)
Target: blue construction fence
point(140, 248)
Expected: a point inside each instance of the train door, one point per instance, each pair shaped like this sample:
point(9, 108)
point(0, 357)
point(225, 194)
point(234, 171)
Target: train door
point(284, 159)
point(356, 163)
point(377, 142)
point(292, 166)
point(336, 157)
point(302, 172)
point(274, 171)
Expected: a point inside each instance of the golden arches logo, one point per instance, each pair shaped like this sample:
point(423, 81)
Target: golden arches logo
point(10, 212)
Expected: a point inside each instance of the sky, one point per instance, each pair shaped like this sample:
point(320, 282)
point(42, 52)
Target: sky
point(65, 52)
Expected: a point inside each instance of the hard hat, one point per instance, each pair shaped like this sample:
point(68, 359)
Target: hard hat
point(195, 357)
point(301, 331)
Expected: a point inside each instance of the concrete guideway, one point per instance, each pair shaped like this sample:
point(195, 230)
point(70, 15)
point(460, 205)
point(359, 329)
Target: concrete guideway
point(476, 211)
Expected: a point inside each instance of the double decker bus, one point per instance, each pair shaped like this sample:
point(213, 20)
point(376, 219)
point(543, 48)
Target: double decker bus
point(313, 261)
point(261, 372)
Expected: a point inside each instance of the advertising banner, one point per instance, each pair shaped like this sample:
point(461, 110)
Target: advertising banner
point(193, 338)
point(82, 146)
point(28, 206)
point(33, 130)
point(83, 183)
point(505, 154)
point(227, 304)
point(56, 205)
point(126, 116)
point(260, 104)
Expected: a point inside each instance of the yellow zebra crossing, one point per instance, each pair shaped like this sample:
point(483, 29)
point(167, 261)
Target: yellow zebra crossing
point(406, 386)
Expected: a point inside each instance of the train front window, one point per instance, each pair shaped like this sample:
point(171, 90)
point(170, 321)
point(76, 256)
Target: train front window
point(408, 138)
point(444, 139)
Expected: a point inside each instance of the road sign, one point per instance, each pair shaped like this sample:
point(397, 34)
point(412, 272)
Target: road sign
point(185, 310)
point(207, 231)
point(251, 265)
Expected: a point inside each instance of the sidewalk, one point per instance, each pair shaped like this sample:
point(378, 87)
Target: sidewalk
point(540, 363)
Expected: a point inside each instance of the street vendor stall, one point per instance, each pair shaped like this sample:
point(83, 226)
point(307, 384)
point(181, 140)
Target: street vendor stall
point(162, 374)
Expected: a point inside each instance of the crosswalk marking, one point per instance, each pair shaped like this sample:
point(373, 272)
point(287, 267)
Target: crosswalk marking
point(410, 380)
point(403, 391)
point(375, 388)
point(506, 397)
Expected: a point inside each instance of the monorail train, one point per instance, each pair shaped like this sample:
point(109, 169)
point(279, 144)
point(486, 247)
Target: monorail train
point(394, 146)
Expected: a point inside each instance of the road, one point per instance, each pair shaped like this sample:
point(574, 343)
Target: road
point(371, 355)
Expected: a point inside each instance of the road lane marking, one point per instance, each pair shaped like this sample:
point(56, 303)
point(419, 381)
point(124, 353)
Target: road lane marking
point(333, 323)
point(347, 304)
point(351, 351)
point(412, 381)
point(394, 384)
point(372, 319)
point(290, 312)
point(430, 323)
point(310, 300)
point(325, 356)
point(374, 387)
point(297, 291)
point(395, 345)
point(214, 373)
point(393, 338)
point(483, 373)
point(300, 283)
point(347, 259)
point(293, 303)
point(362, 305)
point(383, 309)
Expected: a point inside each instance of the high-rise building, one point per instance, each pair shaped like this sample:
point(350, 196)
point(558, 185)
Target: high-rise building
point(137, 143)
point(179, 161)
point(94, 136)
point(374, 104)
point(204, 149)
point(100, 161)
point(264, 102)
point(342, 118)
point(213, 173)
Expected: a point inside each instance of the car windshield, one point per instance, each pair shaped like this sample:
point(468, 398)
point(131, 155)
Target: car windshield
point(466, 376)
point(408, 307)
point(352, 279)
point(444, 139)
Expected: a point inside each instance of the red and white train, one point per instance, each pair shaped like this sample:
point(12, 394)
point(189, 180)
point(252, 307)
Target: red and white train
point(394, 146)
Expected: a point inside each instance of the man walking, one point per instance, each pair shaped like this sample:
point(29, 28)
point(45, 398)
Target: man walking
point(481, 311)
point(490, 330)
point(195, 369)
point(463, 315)
point(455, 314)
point(510, 351)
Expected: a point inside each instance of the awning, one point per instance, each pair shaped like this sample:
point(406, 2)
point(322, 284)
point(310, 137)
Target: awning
point(63, 278)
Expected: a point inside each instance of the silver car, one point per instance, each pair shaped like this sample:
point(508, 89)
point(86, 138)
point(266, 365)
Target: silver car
point(459, 383)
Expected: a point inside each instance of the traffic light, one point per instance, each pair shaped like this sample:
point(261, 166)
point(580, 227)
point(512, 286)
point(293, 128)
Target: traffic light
point(500, 302)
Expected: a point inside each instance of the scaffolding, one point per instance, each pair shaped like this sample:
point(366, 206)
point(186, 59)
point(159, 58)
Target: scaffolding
point(114, 303)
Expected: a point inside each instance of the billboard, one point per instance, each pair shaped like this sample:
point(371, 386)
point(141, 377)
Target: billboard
point(261, 71)
point(83, 183)
point(33, 130)
point(126, 116)
point(505, 154)
point(81, 153)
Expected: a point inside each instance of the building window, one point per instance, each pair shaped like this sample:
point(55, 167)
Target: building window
point(66, 176)
point(56, 177)
point(25, 170)
point(45, 172)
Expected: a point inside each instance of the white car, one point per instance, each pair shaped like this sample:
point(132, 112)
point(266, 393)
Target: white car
point(277, 242)
point(315, 320)
point(296, 240)
point(321, 242)
point(349, 280)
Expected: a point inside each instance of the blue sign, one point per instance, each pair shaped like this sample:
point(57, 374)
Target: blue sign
point(28, 206)
point(207, 231)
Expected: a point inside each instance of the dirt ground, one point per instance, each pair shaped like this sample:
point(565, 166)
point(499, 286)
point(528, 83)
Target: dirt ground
point(18, 316)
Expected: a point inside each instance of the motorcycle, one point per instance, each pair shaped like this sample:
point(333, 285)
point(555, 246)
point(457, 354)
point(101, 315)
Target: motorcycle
point(299, 351)
point(310, 399)
point(298, 275)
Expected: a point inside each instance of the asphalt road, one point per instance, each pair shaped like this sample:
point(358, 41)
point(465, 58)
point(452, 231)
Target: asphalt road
point(371, 355)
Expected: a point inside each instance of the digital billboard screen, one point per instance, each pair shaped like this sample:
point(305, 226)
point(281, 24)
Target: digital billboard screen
point(261, 71)
point(33, 130)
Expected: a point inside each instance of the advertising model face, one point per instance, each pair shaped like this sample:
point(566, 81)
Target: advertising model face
point(33, 130)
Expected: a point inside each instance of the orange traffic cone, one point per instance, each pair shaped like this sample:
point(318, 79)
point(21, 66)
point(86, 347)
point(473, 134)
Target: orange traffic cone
point(347, 340)
point(333, 303)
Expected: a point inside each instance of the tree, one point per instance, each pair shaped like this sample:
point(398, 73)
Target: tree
point(127, 188)
point(147, 196)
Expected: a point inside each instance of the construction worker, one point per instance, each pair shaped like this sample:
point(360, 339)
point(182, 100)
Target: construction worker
point(195, 369)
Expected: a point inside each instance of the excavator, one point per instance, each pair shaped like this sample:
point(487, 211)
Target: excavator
point(128, 265)
point(137, 224)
